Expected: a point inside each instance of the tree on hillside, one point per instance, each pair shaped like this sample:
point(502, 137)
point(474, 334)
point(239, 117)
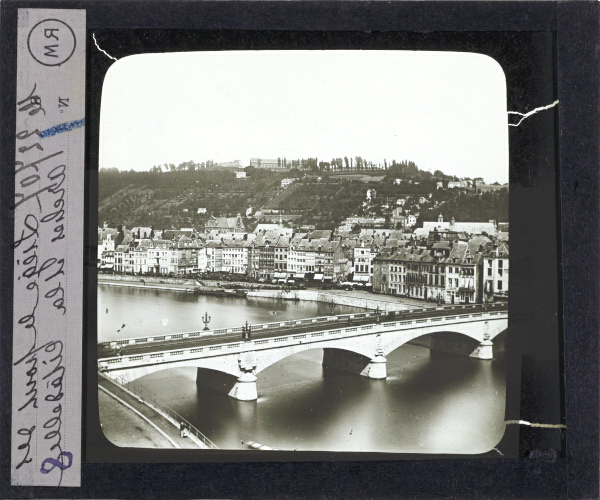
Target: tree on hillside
point(359, 163)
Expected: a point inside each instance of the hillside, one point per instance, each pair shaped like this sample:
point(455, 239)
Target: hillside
point(164, 199)
point(172, 199)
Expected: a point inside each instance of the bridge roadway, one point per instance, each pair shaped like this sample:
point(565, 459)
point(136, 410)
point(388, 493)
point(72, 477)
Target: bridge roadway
point(111, 349)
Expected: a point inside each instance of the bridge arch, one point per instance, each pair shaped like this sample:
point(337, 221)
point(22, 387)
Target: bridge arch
point(474, 331)
point(225, 366)
point(270, 358)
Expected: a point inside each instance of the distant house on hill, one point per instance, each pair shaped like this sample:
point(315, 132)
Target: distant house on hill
point(142, 232)
point(397, 217)
point(411, 220)
point(225, 224)
point(490, 188)
point(465, 183)
point(240, 175)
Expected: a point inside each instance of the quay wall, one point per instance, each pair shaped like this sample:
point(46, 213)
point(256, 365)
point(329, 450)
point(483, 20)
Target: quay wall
point(385, 303)
point(338, 298)
point(146, 279)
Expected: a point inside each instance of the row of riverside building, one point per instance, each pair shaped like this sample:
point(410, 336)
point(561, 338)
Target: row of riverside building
point(445, 266)
point(451, 272)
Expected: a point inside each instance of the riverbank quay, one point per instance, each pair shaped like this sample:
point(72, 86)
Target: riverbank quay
point(132, 420)
point(354, 298)
point(153, 283)
point(178, 283)
point(186, 287)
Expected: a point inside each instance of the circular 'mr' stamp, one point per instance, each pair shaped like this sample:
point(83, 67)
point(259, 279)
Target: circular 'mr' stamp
point(51, 42)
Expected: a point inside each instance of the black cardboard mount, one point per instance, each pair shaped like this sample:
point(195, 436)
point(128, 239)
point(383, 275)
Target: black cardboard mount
point(549, 51)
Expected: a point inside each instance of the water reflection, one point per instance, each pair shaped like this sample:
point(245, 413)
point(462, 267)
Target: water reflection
point(126, 312)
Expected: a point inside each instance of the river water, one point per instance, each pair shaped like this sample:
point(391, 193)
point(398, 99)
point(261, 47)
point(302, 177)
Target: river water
point(429, 403)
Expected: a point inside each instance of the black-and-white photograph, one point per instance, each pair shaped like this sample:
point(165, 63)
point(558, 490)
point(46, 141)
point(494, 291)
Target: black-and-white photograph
point(304, 250)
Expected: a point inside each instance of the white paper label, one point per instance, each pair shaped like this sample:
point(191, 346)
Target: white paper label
point(48, 248)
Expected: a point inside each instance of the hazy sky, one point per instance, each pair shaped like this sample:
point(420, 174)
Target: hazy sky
point(442, 110)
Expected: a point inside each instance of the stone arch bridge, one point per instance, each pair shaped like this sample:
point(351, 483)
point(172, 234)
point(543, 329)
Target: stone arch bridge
point(355, 343)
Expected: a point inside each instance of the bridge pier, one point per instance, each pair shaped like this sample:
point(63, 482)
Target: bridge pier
point(376, 369)
point(485, 350)
point(358, 364)
point(242, 387)
point(245, 388)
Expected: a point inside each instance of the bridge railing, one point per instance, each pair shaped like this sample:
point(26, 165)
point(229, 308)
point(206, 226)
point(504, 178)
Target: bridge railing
point(295, 323)
point(387, 322)
point(176, 418)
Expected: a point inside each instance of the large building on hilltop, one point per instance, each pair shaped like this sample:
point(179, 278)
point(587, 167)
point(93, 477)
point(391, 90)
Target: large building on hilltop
point(264, 163)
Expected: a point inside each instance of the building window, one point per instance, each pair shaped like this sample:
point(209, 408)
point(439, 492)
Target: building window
point(499, 285)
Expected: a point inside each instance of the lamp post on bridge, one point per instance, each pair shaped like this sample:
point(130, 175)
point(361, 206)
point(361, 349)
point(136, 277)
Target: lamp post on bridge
point(439, 299)
point(246, 331)
point(377, 315)
point(206, 320)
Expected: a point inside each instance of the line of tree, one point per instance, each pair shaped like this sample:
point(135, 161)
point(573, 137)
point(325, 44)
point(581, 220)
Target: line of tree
point(403, 169)
point(186, 166)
